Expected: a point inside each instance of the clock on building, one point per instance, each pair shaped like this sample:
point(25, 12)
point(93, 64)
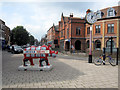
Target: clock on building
point(91, 18)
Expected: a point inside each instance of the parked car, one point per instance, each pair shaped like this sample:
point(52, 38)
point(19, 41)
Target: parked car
point(16, 49)
point(24, 46)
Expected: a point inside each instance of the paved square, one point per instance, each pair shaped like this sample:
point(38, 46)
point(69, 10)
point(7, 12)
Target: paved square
point(67, 72)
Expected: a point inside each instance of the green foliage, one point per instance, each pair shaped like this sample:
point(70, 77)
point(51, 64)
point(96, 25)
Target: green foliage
point(31, 40)
point(19, 36)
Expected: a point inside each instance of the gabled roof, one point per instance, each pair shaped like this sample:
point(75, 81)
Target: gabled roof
point(66, 19)
point(57, 28)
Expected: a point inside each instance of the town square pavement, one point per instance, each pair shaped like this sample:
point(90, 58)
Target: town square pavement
point(68, 72)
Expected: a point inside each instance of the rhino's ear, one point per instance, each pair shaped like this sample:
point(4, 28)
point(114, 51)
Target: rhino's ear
point(53, 55)
point(56, 52)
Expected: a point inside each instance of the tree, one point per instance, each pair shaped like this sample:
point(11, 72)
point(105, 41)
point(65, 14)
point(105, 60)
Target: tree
point(19, 36)
point(31, 40)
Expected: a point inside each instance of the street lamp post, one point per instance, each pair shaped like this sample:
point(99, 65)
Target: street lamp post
point(90, 49)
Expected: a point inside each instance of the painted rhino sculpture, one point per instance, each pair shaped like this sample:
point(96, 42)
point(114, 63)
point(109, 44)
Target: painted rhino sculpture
point(41, 52)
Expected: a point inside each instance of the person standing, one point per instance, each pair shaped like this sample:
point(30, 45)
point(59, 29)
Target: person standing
point(73, 49)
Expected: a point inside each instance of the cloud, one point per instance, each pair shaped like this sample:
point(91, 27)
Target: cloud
point(37, 18)
point(44, 18)
point(34, 30)
point(13, 20)
point(0, 7)
point(56, 0)
point(104, 4)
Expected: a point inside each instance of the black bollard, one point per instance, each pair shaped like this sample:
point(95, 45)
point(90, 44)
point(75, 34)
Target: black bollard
point(117, 56)
point(111, 48)
point(104, 56)
point(90, 59)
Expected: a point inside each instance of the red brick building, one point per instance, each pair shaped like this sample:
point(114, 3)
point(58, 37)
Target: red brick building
point(43, 40)
point(4, 32)
point(72, 33)
point(53, 36)
point(108, 25)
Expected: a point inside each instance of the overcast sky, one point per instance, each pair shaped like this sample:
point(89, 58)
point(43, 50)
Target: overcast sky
point(38, 17)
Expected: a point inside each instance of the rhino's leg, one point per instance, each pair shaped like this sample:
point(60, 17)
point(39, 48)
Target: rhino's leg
point(40, 62)
point(24, 61)
point(31, 61)
point(46, 60)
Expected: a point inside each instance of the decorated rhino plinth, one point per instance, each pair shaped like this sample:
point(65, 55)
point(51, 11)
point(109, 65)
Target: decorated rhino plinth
point(42, 53)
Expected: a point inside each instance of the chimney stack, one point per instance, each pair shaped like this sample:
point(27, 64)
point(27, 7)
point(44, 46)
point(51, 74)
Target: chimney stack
point(88, 11)
point(71, 14)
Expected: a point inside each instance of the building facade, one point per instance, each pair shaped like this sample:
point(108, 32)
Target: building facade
point(107, 26)
point(43, 40)
point(72, 33)
point(75, 32)
point(53, 36)
point(2, 28)
point(4, 33)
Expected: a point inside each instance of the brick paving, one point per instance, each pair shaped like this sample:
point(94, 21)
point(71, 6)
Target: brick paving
point(67, 72)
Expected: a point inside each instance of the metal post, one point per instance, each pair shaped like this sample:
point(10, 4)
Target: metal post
point(111, 46)
point(104, 56)
point(117, 56)
point(71, 46)
point(103, 50)
point(90, 50)
point(71, 38)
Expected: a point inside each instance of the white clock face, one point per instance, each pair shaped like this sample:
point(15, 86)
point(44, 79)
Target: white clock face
point(91, 18)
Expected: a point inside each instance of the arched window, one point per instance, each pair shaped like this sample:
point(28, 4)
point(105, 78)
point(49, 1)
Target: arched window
point(67, 45)
point(78, 31)
point(108, 44)
point(111, 12)
point(88, 44)
point(97, 44)
point(78, 45)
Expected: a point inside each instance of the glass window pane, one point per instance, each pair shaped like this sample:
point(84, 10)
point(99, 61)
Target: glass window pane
point(108, 25)
point(111, 13)
point(96, 26)
point(88, 44)
point(109, 28)
point(112, 25)
point(76, 31)
point(79, 30)
point(112, 31)
point(88, 30)
point(98, 44)
point(99, 26)
point(96, 29)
